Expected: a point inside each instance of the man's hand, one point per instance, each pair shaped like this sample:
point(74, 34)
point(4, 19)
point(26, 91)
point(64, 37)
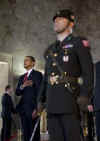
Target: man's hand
point(90, 108)
point(34, 114)
point(53, 79)
point(40, 108)
point(27, 83)
point(83, 102)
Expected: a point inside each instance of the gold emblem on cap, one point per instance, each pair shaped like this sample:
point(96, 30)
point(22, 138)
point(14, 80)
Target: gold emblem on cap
point(58, 13)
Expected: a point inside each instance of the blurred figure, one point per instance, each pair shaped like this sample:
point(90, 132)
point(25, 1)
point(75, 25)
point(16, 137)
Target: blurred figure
point(7, 111)
point(97, 99)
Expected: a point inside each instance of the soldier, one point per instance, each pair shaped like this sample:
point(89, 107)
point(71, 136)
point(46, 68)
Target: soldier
point(67, 59)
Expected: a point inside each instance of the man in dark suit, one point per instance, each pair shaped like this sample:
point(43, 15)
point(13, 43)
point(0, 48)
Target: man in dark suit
point(28, 87)
point(7, 111)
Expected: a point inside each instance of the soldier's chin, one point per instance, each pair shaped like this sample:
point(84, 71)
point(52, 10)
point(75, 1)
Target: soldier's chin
point(59, 31)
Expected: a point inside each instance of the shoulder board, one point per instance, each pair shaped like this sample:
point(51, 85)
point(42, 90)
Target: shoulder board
point(83, 42)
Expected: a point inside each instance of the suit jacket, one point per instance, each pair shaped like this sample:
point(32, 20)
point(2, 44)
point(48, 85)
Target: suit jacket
point(29, 94)
point(7, 106)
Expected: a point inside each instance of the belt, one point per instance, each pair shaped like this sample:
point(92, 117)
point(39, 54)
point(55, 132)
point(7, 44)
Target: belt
point(62, 80)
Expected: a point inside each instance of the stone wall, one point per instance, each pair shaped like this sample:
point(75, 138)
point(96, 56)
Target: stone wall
point(26, 27)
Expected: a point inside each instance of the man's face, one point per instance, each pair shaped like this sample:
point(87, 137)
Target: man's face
point(28, 63)
point(10, 90)
point(61, 24)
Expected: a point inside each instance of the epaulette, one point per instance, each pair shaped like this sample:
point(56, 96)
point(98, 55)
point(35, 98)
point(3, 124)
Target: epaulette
point(82, 41)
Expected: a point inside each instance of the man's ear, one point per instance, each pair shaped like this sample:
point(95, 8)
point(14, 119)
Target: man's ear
point(33, 63)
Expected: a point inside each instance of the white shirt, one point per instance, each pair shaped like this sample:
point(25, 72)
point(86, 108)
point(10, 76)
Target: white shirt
point(29, 71)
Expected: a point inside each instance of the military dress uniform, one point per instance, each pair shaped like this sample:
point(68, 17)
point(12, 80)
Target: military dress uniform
point(69, 59)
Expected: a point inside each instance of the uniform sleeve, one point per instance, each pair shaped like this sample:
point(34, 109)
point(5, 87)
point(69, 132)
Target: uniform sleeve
point(42, 91)
point(87, 68)
point(38, 81)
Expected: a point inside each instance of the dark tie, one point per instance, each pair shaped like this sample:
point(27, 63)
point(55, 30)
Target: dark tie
point(25, 77)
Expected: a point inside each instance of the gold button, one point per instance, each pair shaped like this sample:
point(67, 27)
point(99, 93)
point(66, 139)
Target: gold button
point(65, 85)
point(53, 73)
point(55, 54)
point(54, 64)
point(57, 82)
point(68, 84)
point(65, 73)
point(57, 76)
point(80, 81)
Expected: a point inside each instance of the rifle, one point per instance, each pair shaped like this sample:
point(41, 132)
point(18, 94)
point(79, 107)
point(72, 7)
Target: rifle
point(34, 130)
point(88, 126)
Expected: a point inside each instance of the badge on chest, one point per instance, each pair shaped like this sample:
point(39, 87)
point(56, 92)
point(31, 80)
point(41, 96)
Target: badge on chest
point(65, 58)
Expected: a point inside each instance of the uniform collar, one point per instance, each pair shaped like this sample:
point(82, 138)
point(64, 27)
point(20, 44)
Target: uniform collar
point(68, 38)
point(62, 37)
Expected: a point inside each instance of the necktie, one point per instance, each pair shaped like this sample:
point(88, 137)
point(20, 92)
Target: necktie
point(25, 77)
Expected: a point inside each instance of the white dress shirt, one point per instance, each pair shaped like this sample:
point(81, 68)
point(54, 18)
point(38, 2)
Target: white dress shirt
point(29, 71)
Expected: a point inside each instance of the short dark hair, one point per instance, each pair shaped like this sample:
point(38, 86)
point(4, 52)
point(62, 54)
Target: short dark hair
point(7, 87)
point(32, 58)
